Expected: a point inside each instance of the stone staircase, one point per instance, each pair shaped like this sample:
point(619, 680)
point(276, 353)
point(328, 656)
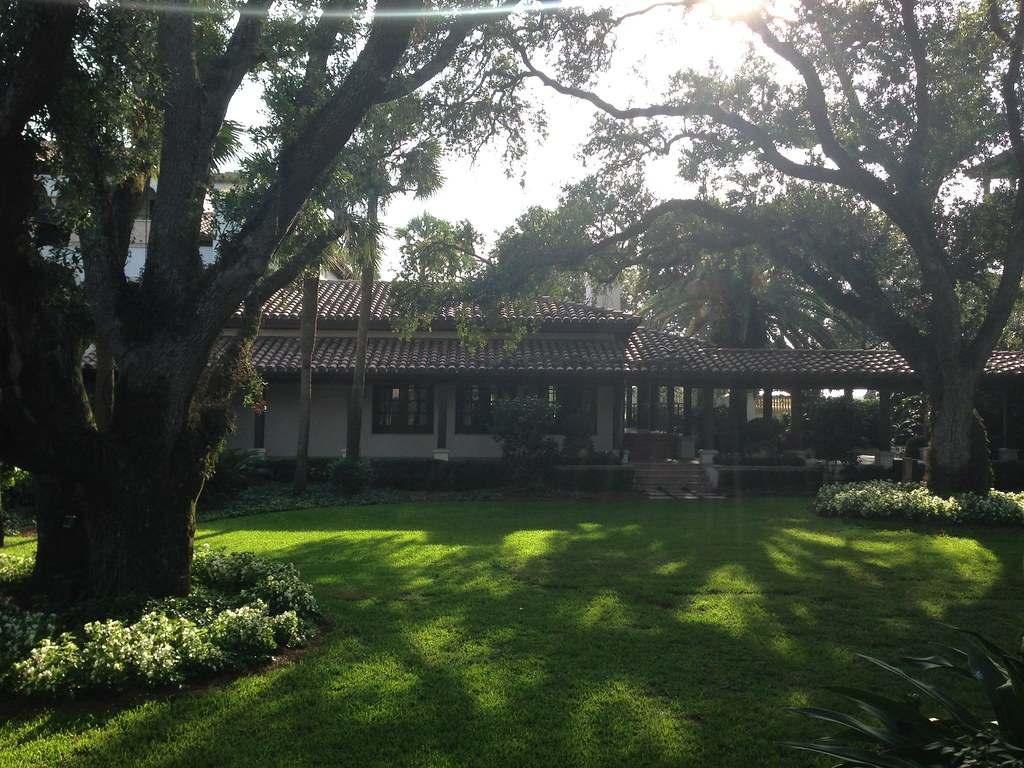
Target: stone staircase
point(671, 479)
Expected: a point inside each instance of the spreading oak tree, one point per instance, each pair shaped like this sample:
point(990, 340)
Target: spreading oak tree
point(845, 146)
point(119, 514)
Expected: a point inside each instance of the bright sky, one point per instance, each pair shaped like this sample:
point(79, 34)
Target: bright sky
point(491, 195)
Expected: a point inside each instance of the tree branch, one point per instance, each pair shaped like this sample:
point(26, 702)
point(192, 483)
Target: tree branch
point(752, 132)
point(920, 139)
point(302, 162)
point(224, 73)
point(36, 73)
point(655, 6)
point(457, 34)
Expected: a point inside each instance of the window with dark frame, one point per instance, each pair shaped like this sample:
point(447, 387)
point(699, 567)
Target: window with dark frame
point(473, 404)
point(577, 402)
point(403, 407)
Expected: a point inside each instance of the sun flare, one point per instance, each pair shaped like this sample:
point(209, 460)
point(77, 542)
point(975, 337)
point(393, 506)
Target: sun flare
point(733, 9)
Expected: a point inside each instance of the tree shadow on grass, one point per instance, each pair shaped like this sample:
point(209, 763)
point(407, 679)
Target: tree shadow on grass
point(566, 635)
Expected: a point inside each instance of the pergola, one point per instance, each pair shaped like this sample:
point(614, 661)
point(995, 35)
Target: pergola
point(705, 368)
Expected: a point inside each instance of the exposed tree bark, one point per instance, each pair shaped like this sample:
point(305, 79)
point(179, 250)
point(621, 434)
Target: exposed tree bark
point(62, 553)
point(958, 451)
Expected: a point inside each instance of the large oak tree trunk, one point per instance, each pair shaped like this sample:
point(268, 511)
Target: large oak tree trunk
point(141, 535)
point(958, 456)
point(62, 551)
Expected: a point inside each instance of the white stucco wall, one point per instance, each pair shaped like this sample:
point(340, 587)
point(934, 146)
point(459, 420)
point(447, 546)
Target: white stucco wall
point(329, 425)
point(245, 424)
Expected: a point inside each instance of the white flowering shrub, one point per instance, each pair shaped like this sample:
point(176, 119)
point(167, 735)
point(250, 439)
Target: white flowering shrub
point(245, 632)
point(276, 584)
point(880, 499)
point(242, 611)
point(14, 567)
point(171, 650)
point(53, 666)
point(20, 632)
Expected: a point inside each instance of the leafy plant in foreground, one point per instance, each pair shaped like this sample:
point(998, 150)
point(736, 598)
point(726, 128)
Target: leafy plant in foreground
point(906, 737)
point(242, 610)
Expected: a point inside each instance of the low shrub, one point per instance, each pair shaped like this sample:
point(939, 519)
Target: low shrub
point(739, 460)
point(900, 733)
point(18, 519)
point(857, 473)
point(522, 426)
point(351, 475)
point(14, 567)
point(269, 497)
point(17, 488)
point(433, 475)
point(281, 469)
point(882, 499)
point(605, 459)
point(762, 435)
point(241, 610)
point(234, 471)
point(21, 631)
point(579, 437)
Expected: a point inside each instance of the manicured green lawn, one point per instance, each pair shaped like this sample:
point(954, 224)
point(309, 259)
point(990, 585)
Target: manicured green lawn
point(560, 634)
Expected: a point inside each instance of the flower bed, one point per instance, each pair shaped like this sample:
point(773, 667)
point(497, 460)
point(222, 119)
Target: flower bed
point(882, 499)
point(242, 610)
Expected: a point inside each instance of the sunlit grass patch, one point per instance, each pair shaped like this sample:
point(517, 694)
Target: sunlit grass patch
point(560, 634)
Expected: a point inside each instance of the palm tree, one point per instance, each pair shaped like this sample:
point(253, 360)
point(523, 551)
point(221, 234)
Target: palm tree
point(739, 299)
point(388, 157)
point(402, 164)
point(333, 258)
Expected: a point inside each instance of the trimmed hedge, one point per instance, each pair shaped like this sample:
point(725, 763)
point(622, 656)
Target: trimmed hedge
point(433, 475)
point(593, 478)
point(737, 460)
point(282, 469)
point(783, 481)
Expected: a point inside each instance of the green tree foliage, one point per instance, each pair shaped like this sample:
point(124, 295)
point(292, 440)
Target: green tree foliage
point(842, 146)
point(522, 426)
point(119, 95)
point(439, 259)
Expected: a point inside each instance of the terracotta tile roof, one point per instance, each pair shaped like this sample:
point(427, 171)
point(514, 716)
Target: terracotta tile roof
point(813, 367)
point(339, 308)
point(644, 352)
point(445, 357)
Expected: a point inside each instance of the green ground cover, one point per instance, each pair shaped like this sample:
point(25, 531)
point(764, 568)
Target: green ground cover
point(559, 634)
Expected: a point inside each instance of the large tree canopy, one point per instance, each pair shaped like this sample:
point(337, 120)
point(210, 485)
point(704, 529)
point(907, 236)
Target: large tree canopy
point(103, 98)
point(844, 147)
